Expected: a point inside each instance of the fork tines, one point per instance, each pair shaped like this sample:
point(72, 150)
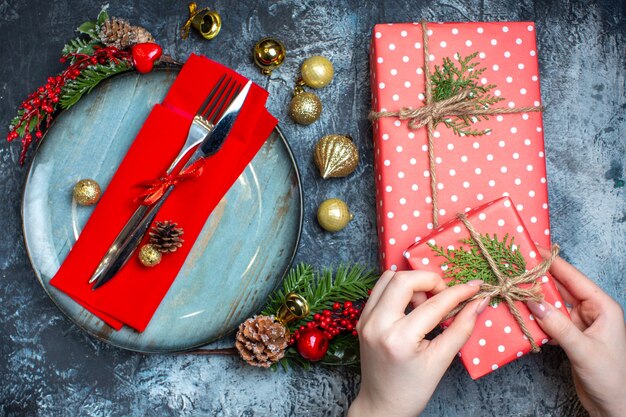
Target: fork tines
point(218, 99)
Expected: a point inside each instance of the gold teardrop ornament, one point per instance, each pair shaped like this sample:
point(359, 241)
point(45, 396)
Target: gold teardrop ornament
point(333, 215)
point(336, 156)
point(305, 108)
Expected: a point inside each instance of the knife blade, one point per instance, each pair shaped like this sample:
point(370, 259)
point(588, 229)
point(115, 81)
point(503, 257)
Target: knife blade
point(209, 146)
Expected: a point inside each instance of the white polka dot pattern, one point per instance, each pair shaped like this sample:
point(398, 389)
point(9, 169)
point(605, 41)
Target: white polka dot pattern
point(469, 172)
point(497, 337)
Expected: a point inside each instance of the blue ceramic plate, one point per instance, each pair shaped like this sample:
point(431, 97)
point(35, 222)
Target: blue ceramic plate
point(259, 220)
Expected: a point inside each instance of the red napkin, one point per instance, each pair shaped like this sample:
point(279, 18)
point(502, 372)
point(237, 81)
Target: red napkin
point(132, 297)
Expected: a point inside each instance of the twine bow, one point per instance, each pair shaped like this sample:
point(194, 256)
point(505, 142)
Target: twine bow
point(433, 112)
point(156, 188)
point(509, 288)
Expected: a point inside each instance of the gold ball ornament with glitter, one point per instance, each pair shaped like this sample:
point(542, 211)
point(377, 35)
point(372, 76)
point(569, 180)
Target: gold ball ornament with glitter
point(305, 108)
point(336, 156)
point(269, 54)
point(149, 255)
point(87, 192)
point(317, 71)
point(333, 215)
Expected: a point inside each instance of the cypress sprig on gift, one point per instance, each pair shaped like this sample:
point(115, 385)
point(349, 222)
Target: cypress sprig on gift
point(464, 265)
point(449, 80)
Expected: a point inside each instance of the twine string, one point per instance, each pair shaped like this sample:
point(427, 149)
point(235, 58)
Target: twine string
point(509, 288)
point(431, 113)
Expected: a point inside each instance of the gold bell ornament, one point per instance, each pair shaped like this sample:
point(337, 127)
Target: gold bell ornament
point(86, 192)
point(333, 215)
point(336, 156)
point(268, 54)
point(294, 307)
point(206, 21)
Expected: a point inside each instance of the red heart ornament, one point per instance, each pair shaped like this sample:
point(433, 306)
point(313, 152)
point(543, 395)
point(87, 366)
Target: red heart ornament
point(144, 56)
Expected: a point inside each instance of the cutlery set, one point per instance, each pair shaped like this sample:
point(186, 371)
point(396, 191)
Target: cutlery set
point(207, 133)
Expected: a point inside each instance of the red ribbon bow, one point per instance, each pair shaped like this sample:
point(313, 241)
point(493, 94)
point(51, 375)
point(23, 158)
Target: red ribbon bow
point(156, 188)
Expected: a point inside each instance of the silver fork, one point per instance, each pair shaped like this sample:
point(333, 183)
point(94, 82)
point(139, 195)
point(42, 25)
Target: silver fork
point(202, 124)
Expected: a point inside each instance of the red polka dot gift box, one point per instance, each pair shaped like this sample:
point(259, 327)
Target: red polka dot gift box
point(471, 134)
point(498, 338)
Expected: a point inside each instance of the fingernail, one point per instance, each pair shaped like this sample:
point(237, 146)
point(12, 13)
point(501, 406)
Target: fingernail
point(475, 283)
point(539, 310)
point(483, 305)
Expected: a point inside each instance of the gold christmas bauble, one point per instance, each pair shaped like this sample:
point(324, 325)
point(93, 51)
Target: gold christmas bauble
point(87, 192)
point(268, 54)
point(336, 156)
point(317, 71)
point(305, 108)
point(149, 255)
point(333, 215)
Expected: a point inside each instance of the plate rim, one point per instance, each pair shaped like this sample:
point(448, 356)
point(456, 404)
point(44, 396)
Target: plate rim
point(98, 336)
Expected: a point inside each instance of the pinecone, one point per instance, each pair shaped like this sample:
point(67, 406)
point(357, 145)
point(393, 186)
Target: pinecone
point(166, 237)
point(121, 34)
point(261, 341)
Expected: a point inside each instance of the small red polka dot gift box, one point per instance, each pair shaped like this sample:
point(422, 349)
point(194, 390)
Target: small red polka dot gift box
point(498, 338)
point(471, 134)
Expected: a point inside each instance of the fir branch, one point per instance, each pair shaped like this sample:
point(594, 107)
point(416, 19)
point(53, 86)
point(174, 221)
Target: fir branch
point(449, 80)
point(296, 281)
point(463, 265)
point(79, 45)
point(345, 284)
point(74, 89)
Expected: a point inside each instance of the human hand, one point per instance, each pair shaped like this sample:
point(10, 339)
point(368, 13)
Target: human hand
point(400, 368)
point(594, 340)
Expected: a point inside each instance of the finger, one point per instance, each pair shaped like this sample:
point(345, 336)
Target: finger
point(451, 340)
point(378, 289)
point(567, 296)
point(399, 291)
point(561, 329)
point(418, 299)
point(577, 283)
point(428, 315)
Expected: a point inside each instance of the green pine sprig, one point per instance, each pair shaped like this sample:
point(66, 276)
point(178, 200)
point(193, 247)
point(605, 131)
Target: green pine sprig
point(88, 38)
point(74, 89)
point(449, 80)
point(464, 265)
point(322, 290)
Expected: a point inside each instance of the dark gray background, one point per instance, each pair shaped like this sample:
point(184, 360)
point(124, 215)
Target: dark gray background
point(48, 367)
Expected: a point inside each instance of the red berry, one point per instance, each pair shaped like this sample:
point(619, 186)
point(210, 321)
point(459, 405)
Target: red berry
point(336, 306)
point(349, 326)
point(354, 333)
point(326, 313)
point(343, 323)
point(38, 134)
point(313, 344)
point(345, 313)
point(347, 304)
point(310, 324)
point(317, 317)
point(302, 328)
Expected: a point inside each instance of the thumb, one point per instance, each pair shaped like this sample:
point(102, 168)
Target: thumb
point(560, 328)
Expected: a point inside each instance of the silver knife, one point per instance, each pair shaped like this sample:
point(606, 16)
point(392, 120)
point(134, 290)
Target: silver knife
point(209, 146)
